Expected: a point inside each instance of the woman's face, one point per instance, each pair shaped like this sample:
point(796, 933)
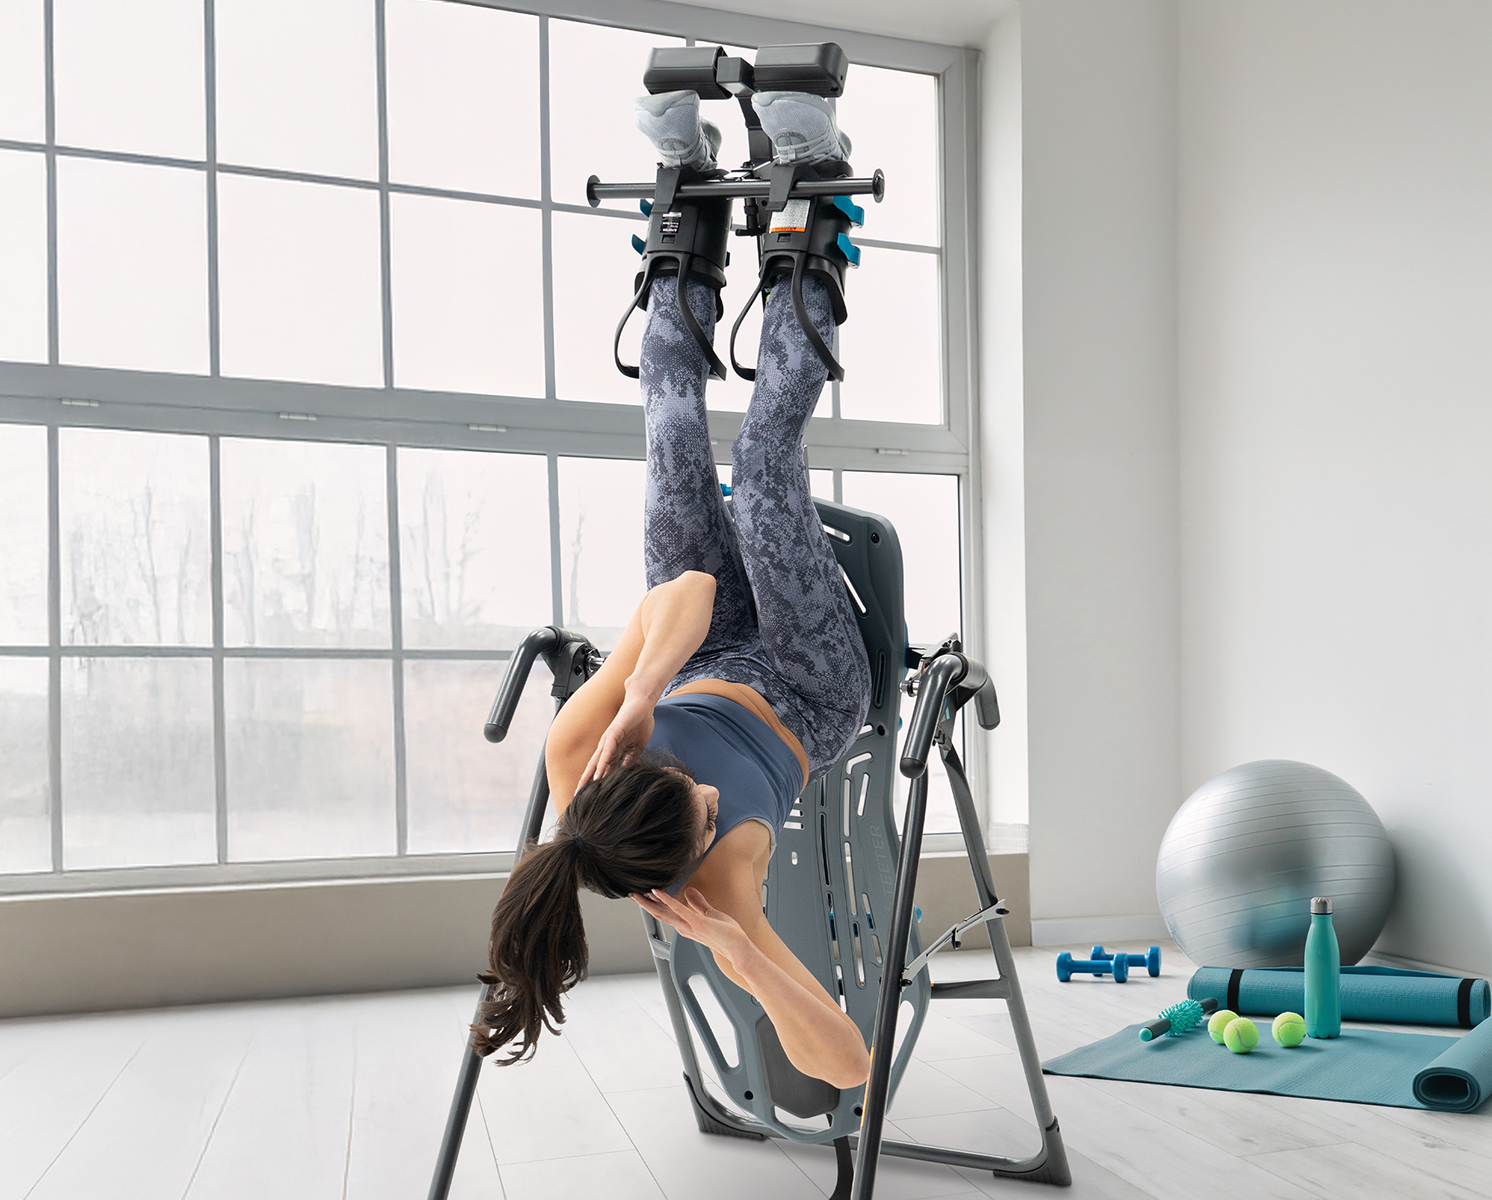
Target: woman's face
point(706, 800)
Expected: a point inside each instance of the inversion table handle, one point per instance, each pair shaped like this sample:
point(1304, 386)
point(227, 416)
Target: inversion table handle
point(540, 641)
point(932, 691)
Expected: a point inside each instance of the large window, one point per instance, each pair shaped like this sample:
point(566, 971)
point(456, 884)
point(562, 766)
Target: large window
point(307, 409)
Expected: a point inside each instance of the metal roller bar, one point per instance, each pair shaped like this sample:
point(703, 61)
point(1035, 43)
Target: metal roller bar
point(875, 186)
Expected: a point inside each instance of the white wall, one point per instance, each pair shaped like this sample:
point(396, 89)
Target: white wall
point(1336, 417)
point(1098, 96)
point(1002, 415)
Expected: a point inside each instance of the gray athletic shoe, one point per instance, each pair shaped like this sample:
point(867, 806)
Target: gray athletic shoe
point(801, 127)
point(671, 122)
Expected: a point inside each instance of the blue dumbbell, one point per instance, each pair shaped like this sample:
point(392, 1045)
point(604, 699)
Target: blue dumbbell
point(1067, 967)
point(1150, 961)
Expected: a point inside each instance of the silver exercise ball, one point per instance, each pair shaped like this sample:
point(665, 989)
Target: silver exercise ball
point(1243, 856)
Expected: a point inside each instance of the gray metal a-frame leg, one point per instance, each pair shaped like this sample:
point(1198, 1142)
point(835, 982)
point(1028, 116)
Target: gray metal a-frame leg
point(949, 682)
point(572, 660)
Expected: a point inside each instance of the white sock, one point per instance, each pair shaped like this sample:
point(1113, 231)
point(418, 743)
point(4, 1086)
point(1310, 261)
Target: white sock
point(801, 127)
point(671, 122)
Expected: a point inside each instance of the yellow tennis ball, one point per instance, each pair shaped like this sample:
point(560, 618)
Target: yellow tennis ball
point(1241, 1035)
point(1218, 1022)
point(1289, 1029)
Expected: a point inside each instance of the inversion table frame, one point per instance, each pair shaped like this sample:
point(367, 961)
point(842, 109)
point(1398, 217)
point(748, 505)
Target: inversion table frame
point(838, 869)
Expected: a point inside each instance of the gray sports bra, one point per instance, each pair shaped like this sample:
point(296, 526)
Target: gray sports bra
point(729, 747)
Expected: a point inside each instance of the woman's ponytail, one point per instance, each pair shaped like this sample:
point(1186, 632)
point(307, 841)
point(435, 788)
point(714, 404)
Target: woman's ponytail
point(537, 951)
point(632, 830)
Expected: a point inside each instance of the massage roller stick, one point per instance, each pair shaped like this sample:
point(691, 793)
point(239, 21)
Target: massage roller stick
point(1177, 1019)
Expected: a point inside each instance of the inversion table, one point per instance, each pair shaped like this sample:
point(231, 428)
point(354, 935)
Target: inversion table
point(839, 891)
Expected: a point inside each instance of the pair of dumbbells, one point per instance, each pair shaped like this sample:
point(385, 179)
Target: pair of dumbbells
point(1103, 963)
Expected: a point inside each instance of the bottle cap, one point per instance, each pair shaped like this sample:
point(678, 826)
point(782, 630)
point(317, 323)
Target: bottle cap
point(1320, 904)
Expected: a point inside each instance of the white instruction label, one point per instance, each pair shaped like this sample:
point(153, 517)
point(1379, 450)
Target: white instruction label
point(792, 219)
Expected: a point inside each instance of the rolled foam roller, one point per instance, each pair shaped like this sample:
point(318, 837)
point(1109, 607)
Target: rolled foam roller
point(1381, 994)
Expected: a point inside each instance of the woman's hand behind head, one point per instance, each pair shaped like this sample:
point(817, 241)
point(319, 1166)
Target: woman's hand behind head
point(623, 741)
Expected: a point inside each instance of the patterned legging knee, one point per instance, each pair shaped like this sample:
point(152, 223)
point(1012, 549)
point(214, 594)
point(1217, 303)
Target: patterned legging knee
point(782, 623)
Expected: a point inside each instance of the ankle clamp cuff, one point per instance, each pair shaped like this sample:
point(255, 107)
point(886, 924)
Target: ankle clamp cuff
point(808, 236)
point(686, 239)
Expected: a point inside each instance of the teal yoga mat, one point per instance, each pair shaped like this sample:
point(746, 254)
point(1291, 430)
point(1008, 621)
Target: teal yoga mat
point(1364, 1066)
point(1383, 995)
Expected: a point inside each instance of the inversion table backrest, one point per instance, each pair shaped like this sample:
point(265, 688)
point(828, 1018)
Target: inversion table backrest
point(830, 883)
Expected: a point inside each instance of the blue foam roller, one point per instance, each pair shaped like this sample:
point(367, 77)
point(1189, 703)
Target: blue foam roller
point(1382, 994)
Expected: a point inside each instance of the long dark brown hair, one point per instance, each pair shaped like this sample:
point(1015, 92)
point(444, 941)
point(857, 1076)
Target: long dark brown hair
point(631, 831)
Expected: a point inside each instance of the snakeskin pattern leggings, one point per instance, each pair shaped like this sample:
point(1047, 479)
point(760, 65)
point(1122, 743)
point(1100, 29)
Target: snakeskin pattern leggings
point(782, 623)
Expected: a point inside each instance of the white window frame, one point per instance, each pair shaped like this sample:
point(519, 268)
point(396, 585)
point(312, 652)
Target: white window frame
point(57, 396)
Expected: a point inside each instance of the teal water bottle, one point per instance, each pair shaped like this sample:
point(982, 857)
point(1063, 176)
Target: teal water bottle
point(1323, 973)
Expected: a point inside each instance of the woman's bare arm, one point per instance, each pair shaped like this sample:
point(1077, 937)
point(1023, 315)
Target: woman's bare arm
point(819, 1039)
point(613, 711)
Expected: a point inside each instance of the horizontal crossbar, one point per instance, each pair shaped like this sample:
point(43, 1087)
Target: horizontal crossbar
point(965, 1158)
point(972, 989)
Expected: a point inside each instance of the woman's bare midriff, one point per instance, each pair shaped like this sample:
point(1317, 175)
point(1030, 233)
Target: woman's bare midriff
point(749, 697)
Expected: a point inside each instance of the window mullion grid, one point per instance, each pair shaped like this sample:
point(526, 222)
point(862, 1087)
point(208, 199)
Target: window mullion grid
point(50, 75)
point(219, 706)
point(385, 255)
point(54, 640)
point(546, 215)
point(397, 654)
point(556, 569)
point(210, 84)
point(386, 307)
point(396, 647)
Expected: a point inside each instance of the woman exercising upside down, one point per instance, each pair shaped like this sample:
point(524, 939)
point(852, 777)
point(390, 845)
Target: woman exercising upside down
point(741, 676)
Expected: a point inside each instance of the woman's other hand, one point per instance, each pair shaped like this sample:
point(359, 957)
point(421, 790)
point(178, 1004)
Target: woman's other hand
point(699, 921)
point(624, 739)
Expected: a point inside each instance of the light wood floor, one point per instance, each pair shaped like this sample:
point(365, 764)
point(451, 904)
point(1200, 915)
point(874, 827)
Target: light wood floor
point(345, 1098)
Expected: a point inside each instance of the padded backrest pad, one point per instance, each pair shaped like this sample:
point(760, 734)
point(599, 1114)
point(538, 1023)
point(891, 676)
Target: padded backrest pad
point(830, 884)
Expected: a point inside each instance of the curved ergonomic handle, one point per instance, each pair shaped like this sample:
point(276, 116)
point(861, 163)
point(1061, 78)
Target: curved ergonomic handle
point(946, 670)
point(540, 641)
point(987, 706)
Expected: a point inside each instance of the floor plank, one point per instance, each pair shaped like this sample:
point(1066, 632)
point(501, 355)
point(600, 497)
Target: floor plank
point(547, 1108)
point(1162, 1159)
point(347, 1096)
point(408, 1054)
point(284, 1129)
point(998, 1131)
point(620, 1175)
point(896, 1178)
point(1355, 1172)
point(1373, 1127)
point(179, 1081)
point(688, 1164)
point(1239, 1122)
point(48, 1096)
point(618, 1043)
